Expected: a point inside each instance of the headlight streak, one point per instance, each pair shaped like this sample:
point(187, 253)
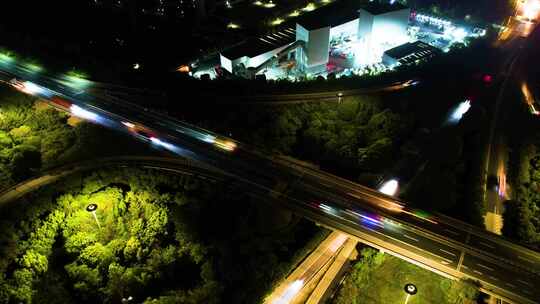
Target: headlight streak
point(83, 113)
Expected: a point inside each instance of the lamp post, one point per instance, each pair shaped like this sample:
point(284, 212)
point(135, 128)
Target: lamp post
point(411, 290)
point(339, 96)
point(92, 209)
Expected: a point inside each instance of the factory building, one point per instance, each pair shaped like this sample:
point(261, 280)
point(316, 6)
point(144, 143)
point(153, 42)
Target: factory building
point(254, 52)
point(341, 33)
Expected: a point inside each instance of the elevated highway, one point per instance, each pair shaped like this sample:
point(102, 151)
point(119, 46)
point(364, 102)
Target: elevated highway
point(444, 245)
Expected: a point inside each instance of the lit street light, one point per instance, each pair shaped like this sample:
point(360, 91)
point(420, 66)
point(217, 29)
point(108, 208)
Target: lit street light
point(411, 290)
point(339, 96)
point(389, 187)
point(92, 209)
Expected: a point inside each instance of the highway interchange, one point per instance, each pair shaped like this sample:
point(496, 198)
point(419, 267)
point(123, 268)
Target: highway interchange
point(438, 243)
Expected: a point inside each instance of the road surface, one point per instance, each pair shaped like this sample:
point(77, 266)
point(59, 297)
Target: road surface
point(297, 287)
point(449, 247)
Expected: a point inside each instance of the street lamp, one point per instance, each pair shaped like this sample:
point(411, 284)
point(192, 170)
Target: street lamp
point(411, 290)
point(92, 209)
point(339, 96)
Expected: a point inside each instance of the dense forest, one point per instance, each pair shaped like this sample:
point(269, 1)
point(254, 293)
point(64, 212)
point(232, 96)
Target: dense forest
point(367, 139)
point(155, 238)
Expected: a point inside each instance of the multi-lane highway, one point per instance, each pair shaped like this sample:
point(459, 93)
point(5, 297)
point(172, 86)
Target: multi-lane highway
point(444, 245)
point(297, 287)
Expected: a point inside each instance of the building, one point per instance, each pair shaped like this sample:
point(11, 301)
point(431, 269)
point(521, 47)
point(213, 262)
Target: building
point(342, 33)
point(254, 54)
point(409, 53)
point(381, 26)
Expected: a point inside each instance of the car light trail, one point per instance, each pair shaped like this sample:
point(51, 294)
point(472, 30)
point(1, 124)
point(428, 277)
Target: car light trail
point(226, 145)
point(33, 89)
point(162, 143)
point(421, 215)
point(128, 124)
point(209, 138)
point(371, 220)
point(529, 98)
point(83, 113)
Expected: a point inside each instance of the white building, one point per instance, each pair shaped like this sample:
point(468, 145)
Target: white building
point(253, 52)
point(365, 31)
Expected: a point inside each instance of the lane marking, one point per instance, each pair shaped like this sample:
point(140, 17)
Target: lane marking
point(526, 283)
point(402, 242)
point(451, 231)
point(484, 266)
point(448, 252)
point(444, 262)
point(510, 284)
point(493, 278)
point(476, 271)
point(410, 237)
point(522, 258)
point(487, 245)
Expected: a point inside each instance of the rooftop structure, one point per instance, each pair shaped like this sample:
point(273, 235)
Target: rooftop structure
point(254, 51)
point(409, 53)
point(255, 46)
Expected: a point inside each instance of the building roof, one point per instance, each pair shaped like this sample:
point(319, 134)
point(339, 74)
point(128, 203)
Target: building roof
point(410, 52)
point(332, 14)
point(377, 8)
point(255, 46)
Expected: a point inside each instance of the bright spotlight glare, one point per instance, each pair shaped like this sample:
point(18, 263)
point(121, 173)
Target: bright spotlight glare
point(459, 34)
point(83, 113)
point(291, 291)
point(160, 142)
point(460, 110)
point(6, 58)
point(310, 7)
point(389, 187)
point(32, 88)
point(128, 124)
point(531, 8)
point(209, 138)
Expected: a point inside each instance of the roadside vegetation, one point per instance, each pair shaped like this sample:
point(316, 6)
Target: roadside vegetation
point(378, 278)
point(522, 213)
point(371, 138)
point(31, 137)
point(35, 137)
point(161, 238)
